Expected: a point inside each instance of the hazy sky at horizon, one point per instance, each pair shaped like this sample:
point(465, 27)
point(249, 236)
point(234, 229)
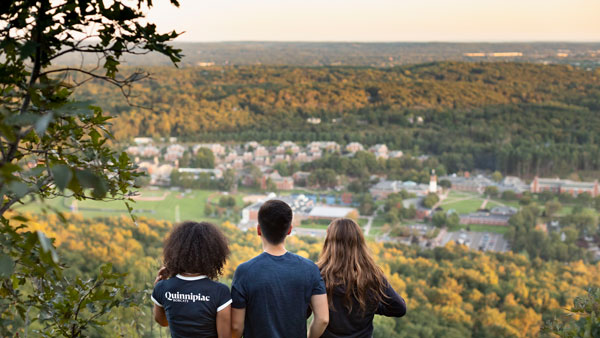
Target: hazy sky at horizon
point(381, 20)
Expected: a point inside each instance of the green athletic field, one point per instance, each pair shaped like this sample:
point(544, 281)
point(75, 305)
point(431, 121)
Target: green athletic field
point(170, 205)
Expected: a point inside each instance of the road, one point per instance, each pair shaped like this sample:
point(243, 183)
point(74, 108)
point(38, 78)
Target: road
point(442, 198)
point(370, 220)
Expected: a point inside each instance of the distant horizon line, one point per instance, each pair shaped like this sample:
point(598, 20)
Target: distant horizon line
point(398, 41)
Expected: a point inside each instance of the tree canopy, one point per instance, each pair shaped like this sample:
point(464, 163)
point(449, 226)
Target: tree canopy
point(52, 145)
point(517, 118)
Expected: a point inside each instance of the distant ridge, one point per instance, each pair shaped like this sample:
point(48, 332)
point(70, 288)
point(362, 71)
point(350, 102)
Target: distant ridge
point(374, 54)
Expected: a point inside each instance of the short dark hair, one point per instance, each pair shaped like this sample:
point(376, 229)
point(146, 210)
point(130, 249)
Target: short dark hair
point(275, 219)
point(195, 248)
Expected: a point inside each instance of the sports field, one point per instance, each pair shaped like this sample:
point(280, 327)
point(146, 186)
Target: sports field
point(462, 202)
point(165, 204)
point(466, 202)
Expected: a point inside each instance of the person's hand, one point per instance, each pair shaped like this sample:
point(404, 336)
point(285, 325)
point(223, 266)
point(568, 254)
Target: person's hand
point(162, 274)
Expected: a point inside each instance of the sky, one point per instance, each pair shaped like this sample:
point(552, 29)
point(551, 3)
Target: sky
point(380, 20)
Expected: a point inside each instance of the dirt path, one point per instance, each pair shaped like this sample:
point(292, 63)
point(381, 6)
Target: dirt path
point(151, 198)
point(442, 198)
point(484, 203)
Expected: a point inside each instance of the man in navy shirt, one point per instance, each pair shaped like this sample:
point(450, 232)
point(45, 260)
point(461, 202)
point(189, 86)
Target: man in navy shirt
point(272, 292)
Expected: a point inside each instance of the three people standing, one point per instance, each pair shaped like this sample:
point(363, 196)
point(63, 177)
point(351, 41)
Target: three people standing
point(273, 293)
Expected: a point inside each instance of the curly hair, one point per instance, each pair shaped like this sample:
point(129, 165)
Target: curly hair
point(195, 248)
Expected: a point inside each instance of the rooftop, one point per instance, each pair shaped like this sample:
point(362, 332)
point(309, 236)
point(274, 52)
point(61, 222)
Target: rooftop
point(325, 211)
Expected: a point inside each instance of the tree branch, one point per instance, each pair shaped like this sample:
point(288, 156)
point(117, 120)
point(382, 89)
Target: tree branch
point(121, 84)
point(14, 200)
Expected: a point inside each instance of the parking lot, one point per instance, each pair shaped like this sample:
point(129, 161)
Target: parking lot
point(484, 241)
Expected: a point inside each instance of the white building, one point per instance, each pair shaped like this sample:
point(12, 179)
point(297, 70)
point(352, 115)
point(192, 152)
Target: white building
point(216, 148)
point(217, 173)
point(380, 151)
point(327, 212)
point(142, 140)
point(433, 183)
point(354, 147)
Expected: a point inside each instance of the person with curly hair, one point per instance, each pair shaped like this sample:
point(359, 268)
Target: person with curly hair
point(186, 296)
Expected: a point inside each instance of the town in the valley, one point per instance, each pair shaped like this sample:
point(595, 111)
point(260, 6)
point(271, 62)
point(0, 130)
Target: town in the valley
point(430, 210)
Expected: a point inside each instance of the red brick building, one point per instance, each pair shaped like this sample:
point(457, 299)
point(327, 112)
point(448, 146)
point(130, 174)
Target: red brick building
point(281, 183)
point(564, 186)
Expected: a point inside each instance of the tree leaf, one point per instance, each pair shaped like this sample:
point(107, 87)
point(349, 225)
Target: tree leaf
point(62, 175)
point(47, 245)
point(86, 178)
point(21, 120)
point(7, 266)
point(42, 124)
point(94, 135)
point(20, 189)
point(8, 132)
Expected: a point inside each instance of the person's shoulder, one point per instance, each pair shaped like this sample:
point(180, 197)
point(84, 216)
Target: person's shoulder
point(161, 284)
point(167, 284)
point(248, 264)
point(302, 261)
point(219, 285)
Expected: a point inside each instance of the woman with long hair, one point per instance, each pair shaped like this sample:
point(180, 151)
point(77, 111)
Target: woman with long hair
point(356, 287)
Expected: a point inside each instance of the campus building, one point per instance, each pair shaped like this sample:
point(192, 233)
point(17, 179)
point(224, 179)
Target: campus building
point(559, 186)
point(354, 147)
point(497, 216)
point(281, 182)
point(467, 183)
point(433, 183)
point(383, 189)
point(324, 212)
point(196, 172)
point(300, 204)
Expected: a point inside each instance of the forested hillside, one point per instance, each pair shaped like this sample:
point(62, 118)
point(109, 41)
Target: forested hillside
point(515, 117)
point(450, 291)
point(383, 54)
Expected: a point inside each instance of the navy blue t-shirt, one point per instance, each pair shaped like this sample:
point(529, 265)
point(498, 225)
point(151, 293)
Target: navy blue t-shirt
point(276, 292)
point(191, 304)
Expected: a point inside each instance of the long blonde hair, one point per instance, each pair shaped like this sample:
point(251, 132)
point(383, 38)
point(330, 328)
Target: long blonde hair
point(345, 261)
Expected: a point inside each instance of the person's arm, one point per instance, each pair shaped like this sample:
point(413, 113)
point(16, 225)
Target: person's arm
point(320, 309)
point(392, 305)
point(238, 302)
point(224, 322)
point(160, 316)
point(159, 312)
point(237, 322)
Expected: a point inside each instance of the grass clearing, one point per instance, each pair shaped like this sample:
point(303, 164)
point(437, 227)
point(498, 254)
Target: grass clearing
point(189, 206)
point(376, 231)
point(379, 221)
point(492, 204)
point(311, 225)
point(464, 206)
